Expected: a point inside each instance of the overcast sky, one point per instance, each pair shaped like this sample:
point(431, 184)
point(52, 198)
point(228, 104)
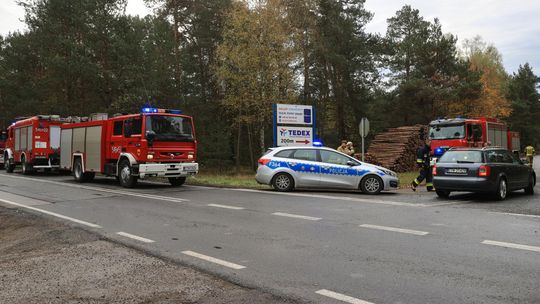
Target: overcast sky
point(512, 26)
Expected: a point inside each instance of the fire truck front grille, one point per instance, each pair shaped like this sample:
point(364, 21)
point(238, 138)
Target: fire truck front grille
point(169, 154)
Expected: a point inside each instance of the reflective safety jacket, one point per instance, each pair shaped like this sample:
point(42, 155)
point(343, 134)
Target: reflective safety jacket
point(423, 156)
point(529, 151)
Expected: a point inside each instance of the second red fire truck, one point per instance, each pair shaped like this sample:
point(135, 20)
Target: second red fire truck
point(153, 143)
point(34, 143)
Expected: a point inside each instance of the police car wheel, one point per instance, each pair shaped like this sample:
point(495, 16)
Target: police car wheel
point(177, 181)
point(126, 179)
point(371, 184)
point(283, 182)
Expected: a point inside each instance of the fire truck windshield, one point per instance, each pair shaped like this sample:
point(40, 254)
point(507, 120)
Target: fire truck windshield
point(170, 128)
point(447, 131)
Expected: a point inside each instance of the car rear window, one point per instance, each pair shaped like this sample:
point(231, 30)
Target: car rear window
point(461, 157)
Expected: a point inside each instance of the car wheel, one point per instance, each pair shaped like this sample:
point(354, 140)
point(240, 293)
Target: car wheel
point(371, 184)
point(26, 167)
point(442, 193)
point(283, 182)
point(530, 188)
point(502, 190)
point(177, 181)
point(9, 165)
point(126, 179)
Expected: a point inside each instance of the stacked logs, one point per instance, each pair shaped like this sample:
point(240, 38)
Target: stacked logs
point(396, 148)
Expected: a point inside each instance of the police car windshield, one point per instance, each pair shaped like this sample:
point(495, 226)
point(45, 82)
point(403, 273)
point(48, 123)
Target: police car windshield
point(170, 128)
point(447, 131)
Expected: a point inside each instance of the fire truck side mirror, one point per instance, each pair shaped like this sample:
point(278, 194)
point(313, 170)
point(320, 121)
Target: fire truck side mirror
point(150, 136)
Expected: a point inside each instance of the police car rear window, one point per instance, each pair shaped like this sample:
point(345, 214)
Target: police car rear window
point(309, 155)
point(284, 153)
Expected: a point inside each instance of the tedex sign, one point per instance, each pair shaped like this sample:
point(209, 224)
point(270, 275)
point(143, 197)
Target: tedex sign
point(294, 125)
point(294, 136)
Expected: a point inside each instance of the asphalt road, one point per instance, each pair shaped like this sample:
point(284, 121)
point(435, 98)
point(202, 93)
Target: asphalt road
point(322, 247)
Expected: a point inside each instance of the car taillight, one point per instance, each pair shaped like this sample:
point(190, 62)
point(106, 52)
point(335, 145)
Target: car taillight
point(263, 161)
point(434, 171)
point(484, 171)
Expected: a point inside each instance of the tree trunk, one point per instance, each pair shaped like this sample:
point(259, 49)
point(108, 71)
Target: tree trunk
point(261, 139)
point(306, 69)
point(250, 143)
point(237, 154)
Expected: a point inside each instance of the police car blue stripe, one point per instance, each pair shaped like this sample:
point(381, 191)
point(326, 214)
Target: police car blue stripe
point(312, 168)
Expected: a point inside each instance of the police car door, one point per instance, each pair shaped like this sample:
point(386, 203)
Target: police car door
point(305, 166)
point(336, 172)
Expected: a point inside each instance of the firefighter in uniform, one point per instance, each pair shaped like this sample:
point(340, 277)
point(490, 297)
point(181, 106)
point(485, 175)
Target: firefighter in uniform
point(530, 153)
point(424, 163)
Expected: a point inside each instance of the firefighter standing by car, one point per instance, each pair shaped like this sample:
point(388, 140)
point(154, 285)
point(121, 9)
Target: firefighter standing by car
point(424, 162)
point(530, 153)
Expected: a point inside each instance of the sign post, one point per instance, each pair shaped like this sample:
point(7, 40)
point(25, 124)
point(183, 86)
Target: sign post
point(364, 131)
point(294, 125)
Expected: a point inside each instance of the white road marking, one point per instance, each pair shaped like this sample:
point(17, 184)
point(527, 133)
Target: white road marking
point(120, 192)
point(415, 232)
point(135, 237)
point(52, 213)
point(226, 207)
point(341, 297)
point(309, 218)
point(512, 245)
point(341, 198)
point(517, 214)
point(213, 260)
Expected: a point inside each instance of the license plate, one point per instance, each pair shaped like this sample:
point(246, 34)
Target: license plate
point(190, 168)
point(457, 171)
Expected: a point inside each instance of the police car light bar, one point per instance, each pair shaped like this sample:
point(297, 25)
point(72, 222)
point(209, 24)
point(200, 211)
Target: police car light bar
point(438, 152)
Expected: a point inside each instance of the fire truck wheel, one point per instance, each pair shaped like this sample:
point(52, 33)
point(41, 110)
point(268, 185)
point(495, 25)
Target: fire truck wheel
point(26, 167)
point(9, 165)
point(126, 179)
point(177, 181)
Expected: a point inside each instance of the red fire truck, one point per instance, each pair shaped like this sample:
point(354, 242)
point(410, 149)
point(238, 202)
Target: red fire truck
point(3, 137)
point(34, 143)
point(153, 143)
point(474, 132)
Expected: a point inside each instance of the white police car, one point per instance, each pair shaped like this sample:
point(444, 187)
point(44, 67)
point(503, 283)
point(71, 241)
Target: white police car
point(287, 168)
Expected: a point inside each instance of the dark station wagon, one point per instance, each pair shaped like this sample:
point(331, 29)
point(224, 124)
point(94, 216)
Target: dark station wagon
point(483, 170)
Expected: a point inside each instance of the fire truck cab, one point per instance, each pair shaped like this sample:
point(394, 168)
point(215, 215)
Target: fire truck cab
point(153, 143)
point(474, 132)
point(33, 143)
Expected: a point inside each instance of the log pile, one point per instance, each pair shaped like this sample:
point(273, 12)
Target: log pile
point(396, 148)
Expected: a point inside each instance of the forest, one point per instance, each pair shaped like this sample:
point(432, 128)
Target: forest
point(225, 62)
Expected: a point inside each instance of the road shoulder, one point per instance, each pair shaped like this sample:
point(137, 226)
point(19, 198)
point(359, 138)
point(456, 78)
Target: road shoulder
point(44, 261)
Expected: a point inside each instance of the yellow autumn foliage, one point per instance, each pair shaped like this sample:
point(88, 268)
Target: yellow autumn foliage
point(492, 101)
